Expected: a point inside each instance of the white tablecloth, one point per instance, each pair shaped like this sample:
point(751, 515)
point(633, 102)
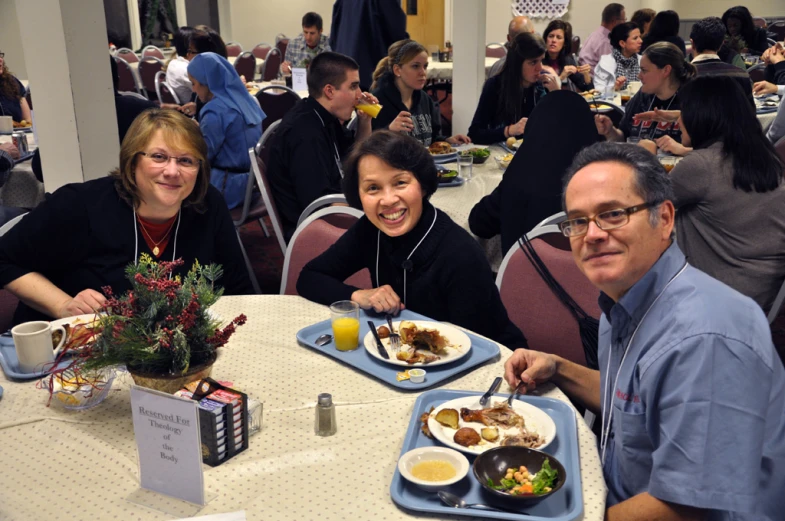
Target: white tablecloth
point(83, 465)
point(458, 201)
point(443, 70)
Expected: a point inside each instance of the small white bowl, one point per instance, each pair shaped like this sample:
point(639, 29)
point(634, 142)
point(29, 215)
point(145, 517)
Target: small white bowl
point(417, 376)
point(415, 456)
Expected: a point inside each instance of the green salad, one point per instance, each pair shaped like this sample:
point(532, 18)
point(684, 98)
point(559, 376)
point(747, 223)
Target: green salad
point(520, 483)
point(480, 152)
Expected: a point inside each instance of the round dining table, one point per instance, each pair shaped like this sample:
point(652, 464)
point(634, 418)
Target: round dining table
point(83, 465)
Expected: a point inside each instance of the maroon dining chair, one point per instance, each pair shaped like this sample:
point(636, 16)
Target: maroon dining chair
point(233, 49)
point(127, 78)
point(166, 94)
point(495, 50)
point(531, 303)
point(245, 65)
point(281, 45)
point(148, 68)
point(276, 101)
point(127, 54)
point(272, 65)
point(260, 156)
point(260, 50)
point(152, 50)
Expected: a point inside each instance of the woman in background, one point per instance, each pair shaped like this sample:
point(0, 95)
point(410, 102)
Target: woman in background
point(743, 36)
point(508, 98)
point(642, 18)
point(230, 120)
point(397, 83)
point(665, 28)
point(177, 68)
point(558, 39)
point(623, 64)
point(12, 95)
point(729, 193)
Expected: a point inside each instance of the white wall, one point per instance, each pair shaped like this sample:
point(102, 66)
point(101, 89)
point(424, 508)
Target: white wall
point(255, 21)
point(703, 8)
point(11, 40)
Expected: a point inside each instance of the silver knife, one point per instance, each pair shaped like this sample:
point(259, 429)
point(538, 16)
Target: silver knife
point(494, 387)
point(379, 345)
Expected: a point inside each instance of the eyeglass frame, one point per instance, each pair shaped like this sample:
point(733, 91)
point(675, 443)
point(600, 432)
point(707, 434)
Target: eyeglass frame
point(163, 164)
point(627, 212)
point(2, 55)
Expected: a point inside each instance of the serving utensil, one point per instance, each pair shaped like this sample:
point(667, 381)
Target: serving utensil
point(516, 393)
point(454, 501)
point(494, 387)
point(323, 340)
point(395, 338)
point(379, 345)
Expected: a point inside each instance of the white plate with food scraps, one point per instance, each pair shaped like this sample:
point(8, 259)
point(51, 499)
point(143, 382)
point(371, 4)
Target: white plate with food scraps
point(536, 421)
point(458, 344)
point(80, 330)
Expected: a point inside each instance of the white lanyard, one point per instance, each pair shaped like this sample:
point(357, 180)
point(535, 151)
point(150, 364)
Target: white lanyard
point(606, 404)
point(335, 147)
point(136, 239)
point(378, 237)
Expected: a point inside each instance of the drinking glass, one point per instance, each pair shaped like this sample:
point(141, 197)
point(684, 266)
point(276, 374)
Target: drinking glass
point(345, 319)
point(465, 166)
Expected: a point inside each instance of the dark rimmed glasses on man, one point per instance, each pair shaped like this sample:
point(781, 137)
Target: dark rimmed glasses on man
point(608, 220)
point(185, 163)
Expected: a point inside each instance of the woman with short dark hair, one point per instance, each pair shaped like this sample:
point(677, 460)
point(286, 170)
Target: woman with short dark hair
point(419, 259)
point(665, 28)
point(177, 68)
point(558, 40)
point(158, 202)
point(622, 65)
point(729, 192)
point(508, 98)
point(12, 95)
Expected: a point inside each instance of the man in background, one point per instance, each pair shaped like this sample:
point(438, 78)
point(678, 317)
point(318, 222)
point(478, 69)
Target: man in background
point(364, 29)
point(518, 25)
point(598, 43)
point(305, 47)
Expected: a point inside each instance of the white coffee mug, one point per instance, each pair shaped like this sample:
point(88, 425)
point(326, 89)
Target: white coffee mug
point(634, 87)
point(33, 342)
point(6, 124)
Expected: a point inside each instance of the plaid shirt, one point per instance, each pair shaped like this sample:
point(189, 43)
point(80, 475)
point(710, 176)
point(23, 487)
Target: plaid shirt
point(298, 54)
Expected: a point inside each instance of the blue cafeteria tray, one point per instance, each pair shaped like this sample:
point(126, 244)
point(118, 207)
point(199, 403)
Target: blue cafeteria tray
point(10, 363)
point(564, 505)
point(482, 351)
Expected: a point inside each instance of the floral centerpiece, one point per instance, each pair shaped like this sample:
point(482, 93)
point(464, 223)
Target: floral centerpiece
point(161, 328)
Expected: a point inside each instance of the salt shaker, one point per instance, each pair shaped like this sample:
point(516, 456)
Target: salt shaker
point(325, 416)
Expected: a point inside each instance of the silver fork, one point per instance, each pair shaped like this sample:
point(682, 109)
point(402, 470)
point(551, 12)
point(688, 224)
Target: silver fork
point(395, 338)
point(518, 389)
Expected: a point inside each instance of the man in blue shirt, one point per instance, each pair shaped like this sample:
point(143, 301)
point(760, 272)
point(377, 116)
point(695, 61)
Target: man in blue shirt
point(690, 391)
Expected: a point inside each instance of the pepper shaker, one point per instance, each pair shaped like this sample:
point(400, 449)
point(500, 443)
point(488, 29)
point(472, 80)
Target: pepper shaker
point(325, 416)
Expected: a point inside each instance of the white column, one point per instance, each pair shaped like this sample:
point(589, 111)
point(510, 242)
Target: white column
point(182, 15)
point(468, 31)
point(134, 24)
point(68, 67)
point(225, 20)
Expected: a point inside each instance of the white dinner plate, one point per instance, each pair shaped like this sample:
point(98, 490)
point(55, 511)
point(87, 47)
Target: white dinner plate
point(459, 346)
point(445, 158)
point(74, 321)
point(536, 419)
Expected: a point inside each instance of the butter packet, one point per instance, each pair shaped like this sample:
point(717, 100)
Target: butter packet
point(402, 376)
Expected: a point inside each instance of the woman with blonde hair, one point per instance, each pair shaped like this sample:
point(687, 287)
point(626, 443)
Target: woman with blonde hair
point(398, 82)
point(158, 202)
point(12, 95)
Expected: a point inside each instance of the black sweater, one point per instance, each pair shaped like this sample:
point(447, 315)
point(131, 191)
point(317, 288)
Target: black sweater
point(425, 113)
point(450, 279)
point(83, 236)
point(488, 124)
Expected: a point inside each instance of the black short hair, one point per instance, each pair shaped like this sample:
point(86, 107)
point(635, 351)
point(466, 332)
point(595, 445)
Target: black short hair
point(621, 32)
point(207, 39)
point(708, 34)
point(181, 40)
point(397, 150)
point(611, 13)
point(328, 68)
point(312, 20)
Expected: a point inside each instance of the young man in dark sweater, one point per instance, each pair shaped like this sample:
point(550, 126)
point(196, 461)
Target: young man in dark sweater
point(707, 36)
point(312, 139)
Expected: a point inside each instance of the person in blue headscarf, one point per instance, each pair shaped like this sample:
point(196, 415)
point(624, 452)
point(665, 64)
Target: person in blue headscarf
point(231, 123)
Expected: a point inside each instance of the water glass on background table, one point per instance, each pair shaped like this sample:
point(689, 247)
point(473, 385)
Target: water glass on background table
point(465, 160)
point(345, 318)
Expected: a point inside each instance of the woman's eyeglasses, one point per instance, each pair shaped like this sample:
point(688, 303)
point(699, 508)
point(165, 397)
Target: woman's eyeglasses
point(184, 163)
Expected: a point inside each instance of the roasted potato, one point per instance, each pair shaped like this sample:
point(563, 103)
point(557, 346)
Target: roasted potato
point(489, 433)
point(448, 418)
point(467, 437)
point(383, 332)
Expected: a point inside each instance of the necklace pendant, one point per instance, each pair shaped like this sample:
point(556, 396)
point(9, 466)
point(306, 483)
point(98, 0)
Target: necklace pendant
point(156, 251)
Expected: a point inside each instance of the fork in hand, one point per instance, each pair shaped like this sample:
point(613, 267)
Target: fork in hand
point(395, 338)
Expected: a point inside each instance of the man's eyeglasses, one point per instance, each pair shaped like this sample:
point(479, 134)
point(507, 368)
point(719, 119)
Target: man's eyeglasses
point(605, 221)
point(2, 55)
point(184, 163)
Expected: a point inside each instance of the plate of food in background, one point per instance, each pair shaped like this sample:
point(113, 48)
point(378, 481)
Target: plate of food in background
point(422, 343)
point(465, 425)
point(442, 152)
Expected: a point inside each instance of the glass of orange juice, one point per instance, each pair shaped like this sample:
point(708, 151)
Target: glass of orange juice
point(345, 318)
point(372, 109)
